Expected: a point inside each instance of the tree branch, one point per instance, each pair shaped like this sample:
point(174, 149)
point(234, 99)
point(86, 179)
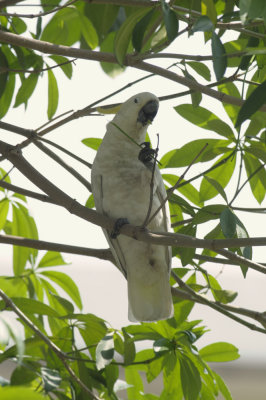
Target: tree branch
point(130, 61)
point(102, 254)
point(216, 306)
point(159, 238)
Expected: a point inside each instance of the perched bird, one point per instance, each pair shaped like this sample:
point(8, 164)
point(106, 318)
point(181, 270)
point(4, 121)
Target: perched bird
point(121, 186)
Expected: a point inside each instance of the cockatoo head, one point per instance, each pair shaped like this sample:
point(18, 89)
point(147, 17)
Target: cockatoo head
point(137, 113)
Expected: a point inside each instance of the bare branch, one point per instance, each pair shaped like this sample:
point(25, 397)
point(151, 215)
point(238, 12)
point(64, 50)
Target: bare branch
point(56, 350)
point(102, 254)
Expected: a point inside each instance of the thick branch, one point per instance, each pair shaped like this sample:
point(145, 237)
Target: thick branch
point(50, 48)
point(159, 238)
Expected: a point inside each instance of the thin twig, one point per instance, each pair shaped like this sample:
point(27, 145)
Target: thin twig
point(151, 184)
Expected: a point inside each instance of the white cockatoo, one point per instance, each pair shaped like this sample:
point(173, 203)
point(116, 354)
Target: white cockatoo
point(121, 186)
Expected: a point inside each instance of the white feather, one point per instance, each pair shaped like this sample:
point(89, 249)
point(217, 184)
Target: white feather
point(121, 189)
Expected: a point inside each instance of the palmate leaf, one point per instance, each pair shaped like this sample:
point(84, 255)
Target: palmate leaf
point(66, 283)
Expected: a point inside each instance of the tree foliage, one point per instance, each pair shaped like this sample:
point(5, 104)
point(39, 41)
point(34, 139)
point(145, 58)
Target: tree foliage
point(50, 361)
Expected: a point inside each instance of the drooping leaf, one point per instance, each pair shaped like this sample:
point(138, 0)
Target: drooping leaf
point(219, 56)
point(53, 94)
point(66, 65)
point(171, 21)
point(257, 176)
point(252, 104)
point(201, 69)
point(190, 378)
point(139, 30)
point(66, 283)
point(203, 24)
point(217, 186)
point(88, 31)
point(123, 36)
point(4, 207)
point(4, 74)
point(26, 89)
point(136, 385)
point(221, 174)
point(228, 223)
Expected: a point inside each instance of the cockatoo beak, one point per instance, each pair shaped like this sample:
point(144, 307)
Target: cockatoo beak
point(148, 112)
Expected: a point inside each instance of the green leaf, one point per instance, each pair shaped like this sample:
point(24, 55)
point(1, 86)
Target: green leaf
point(18, 26)
point(219, 352)
point(93, 143)
point(208, 213)
point(66, 304)
point(205, 119)
point(208, 8)
point(22, 225)
point(170, 21)
point(102, 16)
point(224, 296)
point(162, 345)
point(107, 46)
point(187, 153)
point(31, 306)
point(66, 283)
point(133, 378)
point(217, 186)
point(187, 190)
point(221, 174)
point(51, 379)
point(88, 31)
point(22, 375)
point(4, 207)
point(53, 94)
point(203, 24)
point(4, 75)
point(66, 68)
point(258, 181)
point(139, 30)
point(230, 89)
point(228, 223)
point(219, 56)
point(253, 103)
point(201, 69)
point(222, 386)
point(90, 202)
point(123, 36)
point(26, 89)
point(11, 393)
point(51, 259)
point(63, 28)
point(129, 348)
point(190, 378)
point(105, 351)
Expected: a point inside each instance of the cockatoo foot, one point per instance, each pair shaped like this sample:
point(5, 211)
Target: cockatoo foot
point(146, 154)
point(117, 226)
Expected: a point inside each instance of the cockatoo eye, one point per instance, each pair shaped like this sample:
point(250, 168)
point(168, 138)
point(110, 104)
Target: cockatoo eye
point(136, 100)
